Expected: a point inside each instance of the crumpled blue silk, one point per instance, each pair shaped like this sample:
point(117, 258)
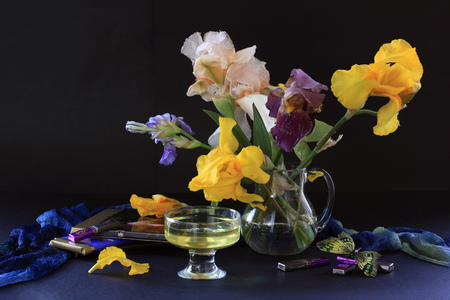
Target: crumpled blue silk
point(64, 218)
point(27, 255)
point(419, 243)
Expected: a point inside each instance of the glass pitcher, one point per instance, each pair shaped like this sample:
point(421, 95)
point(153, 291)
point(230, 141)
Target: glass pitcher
point(289, 223)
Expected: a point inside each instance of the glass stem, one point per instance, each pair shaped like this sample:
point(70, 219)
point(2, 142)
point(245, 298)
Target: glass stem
point(202, 263)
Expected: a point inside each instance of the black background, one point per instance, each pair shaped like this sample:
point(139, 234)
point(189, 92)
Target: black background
point(73, 72)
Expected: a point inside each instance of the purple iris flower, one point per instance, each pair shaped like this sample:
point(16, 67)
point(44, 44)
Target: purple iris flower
point(295, 107)
point(160, 121)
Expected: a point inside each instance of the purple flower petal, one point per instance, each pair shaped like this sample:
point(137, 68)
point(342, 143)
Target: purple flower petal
point(314, 99)
point(169, 155)
point(304, 81)
point(183, 125)
point(290, 128)
point(295, 108)
point(153, 121)
point(274, 102)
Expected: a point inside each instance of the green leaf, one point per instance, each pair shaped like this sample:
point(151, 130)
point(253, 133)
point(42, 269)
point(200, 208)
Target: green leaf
point(240, 136)
point(302, 149)
point(225, 105)
point(320, 130)
point(237, 131)
point(277, 155)
point(215, 116)
point(261, 137)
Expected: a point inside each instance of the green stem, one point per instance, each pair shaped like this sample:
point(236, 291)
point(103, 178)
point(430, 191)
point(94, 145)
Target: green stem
point(367, 112)
point(195, 140)
point(322, 142)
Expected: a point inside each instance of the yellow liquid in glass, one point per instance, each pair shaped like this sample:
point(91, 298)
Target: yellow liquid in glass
point(204, 237)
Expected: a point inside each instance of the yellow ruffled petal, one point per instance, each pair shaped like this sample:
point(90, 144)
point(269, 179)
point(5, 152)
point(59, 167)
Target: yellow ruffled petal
point(252, 158)
point(137, 268)
point(111, 251)
point(350, 88)
point(112, 254)
point(219, 193)
point(209, 167)
point(254, 200)
point(157, 205)
point(227, 141)
point(222, 187)
point(393, 51)
point(409, 93)
point(387, 121)
point(394, 80)
point(401, 53)
point(209, 162)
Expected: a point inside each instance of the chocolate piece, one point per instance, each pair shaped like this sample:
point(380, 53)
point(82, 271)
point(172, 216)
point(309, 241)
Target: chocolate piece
point(300, 264)
point(343, 269)
point(386, 266)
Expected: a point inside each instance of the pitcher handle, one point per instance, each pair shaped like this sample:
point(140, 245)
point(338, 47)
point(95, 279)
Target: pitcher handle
point(326, 213)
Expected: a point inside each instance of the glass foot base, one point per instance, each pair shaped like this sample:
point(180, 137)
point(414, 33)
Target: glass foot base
point(188, 274)
point(202, 266)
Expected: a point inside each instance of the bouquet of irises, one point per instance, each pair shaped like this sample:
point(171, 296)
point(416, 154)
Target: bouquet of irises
point(258, 122)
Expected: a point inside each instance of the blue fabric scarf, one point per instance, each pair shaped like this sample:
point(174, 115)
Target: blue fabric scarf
point(416, 242)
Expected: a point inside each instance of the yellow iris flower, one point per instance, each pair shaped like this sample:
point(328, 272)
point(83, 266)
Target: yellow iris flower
point(220, 171)
point(395, 73)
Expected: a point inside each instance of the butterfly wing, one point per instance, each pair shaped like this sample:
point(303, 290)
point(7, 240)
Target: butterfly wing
point(343, 244)
point(368, 262)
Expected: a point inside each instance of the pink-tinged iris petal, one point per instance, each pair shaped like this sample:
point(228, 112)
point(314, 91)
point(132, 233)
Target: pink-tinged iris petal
point(220, 70)
point(291, 127)
point(247, 74)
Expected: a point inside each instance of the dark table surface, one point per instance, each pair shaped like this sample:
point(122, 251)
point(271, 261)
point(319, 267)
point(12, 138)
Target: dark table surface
point(250, 275)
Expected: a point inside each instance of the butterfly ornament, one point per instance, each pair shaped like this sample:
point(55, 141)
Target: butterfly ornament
point(367, 260)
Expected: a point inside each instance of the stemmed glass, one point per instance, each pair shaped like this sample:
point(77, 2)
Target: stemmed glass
point(202, 230)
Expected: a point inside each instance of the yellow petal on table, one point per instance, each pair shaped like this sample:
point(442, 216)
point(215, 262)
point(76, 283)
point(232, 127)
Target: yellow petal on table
point(157, 205)
point(112, 254)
